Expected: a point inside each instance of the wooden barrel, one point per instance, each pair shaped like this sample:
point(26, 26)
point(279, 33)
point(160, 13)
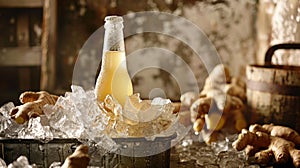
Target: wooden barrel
point(273, 91)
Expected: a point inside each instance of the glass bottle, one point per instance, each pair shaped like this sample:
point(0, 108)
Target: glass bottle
point(113, 78)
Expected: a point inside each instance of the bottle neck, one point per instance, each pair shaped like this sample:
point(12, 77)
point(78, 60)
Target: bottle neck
point(113, 36)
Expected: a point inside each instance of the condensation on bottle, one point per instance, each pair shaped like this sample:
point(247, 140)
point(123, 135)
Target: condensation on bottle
point(113, 78)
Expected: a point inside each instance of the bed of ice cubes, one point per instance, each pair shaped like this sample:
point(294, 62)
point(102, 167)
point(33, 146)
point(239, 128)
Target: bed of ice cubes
point(77, 115)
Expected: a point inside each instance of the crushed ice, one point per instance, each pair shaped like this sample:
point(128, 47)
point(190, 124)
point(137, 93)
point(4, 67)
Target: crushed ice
point(77, 115)
point(220, 154)
point(8, 128)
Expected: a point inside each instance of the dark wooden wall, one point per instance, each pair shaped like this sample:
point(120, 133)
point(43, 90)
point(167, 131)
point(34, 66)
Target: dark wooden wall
point(18, 31)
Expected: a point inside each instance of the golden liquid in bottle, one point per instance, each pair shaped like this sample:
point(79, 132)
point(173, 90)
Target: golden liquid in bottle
point(113, 78)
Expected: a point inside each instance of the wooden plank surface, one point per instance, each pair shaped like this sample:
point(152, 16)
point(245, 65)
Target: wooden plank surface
point(20, 56)
point(48, 60)
point(21, 3)
point(24, 78)
point(23, 31)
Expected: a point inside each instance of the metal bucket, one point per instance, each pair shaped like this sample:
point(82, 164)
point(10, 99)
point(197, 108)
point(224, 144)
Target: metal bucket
point(37, 152)
point(56, 150)
point(273, 91)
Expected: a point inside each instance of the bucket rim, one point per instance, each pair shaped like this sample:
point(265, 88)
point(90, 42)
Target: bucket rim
point(276, 67)
point(75, 140)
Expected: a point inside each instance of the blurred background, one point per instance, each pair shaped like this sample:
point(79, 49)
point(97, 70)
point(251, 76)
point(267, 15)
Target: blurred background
point(40, 39)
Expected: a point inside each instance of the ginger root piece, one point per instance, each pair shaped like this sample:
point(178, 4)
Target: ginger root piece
point(267, 148)
point(188, 98)
point(229, 104)
point(216, 80)
point(238, 81)
point(177, 107)
point(218, 76)
point(78, 159)
point(232, 108)
point(200, 107)
point(276, 130)
point(214, 121)
point(258, 140)
point(33, 103)
point(223, 95)
point(198, 124)
point(240, 121)
point(235, 90)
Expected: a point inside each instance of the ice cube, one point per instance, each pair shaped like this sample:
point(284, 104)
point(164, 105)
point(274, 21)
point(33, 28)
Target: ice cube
point(107, 143)
point(77, 114)
point(36, 130)
point(230, 162)
point(206, 160)
point(231, 158)
point(5, 109)
point(55, 165)
point(21, 162)
point(8, 127)
point(2, 163)
point(141, 118)
point(184, 156)
point(252, 166)
point(146, 110)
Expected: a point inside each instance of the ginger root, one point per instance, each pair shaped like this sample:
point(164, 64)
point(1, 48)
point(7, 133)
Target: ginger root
point(214, 121)
point(198, 124)
point(223, 95)
point(200, 107)
point(268, 148)
point(188, 98)
point(33, 103)
point(276, 130)
point(78, 159)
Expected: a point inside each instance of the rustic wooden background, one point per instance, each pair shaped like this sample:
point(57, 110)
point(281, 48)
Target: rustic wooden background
point(76, 20)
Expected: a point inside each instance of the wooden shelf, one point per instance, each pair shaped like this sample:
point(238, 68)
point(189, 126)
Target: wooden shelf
point(21, 3)
point(26, 56)
point(21, 56)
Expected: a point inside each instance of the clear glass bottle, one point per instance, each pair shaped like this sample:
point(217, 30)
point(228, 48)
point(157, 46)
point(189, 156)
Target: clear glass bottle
point(113, 78)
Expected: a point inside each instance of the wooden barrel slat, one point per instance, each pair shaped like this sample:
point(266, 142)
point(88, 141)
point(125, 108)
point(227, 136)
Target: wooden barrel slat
point(278, 104)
